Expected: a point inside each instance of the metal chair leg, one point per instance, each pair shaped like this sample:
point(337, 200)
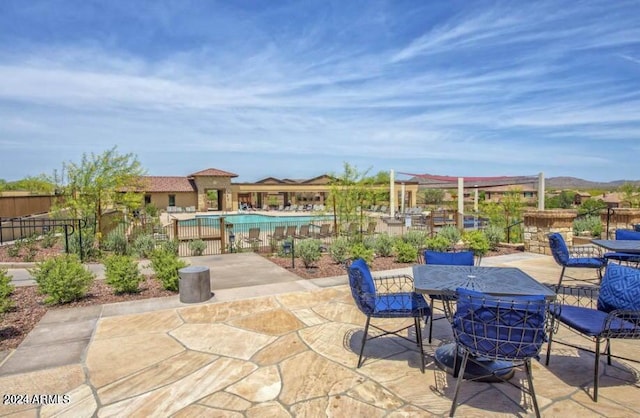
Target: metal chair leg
point(561, 275)
point(364, 340)
point(465, 357)
point(546, 363)
point(431, 322)
point(596, 370)
point(527, 367)
point(419, 338)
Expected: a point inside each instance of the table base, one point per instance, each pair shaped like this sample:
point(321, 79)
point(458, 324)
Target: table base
point(447, 354)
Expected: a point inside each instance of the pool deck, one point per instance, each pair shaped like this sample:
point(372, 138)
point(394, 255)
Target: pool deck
point(271, 344)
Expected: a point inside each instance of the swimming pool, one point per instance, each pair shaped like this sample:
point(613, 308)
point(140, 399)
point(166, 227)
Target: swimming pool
point(254, 218)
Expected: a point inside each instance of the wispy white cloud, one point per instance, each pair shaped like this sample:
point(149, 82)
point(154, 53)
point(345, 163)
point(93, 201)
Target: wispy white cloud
point(484, 87)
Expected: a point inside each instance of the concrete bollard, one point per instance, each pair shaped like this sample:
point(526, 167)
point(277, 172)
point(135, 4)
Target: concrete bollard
point(194, 284)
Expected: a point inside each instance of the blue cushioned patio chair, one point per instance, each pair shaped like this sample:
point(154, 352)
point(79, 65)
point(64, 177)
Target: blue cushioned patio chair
point(616, 313)
point(620, 257)
point(463, 258)
point(575, 257)
point(387, 297)
point(507, 328)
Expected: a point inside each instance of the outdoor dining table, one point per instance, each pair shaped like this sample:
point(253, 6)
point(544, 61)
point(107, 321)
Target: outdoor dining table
point(443, 280)
point(619, 245)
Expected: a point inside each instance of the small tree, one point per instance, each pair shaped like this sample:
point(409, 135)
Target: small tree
point(101, 182)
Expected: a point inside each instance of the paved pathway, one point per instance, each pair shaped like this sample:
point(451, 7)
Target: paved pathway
point(281, 347)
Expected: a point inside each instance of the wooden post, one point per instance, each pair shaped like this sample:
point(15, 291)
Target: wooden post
point(199, 227)
point(175, 229)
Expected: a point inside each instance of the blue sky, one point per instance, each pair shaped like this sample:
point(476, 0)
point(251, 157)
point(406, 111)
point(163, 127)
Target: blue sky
point(295, 88)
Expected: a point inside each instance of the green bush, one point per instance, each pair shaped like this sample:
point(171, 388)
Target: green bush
point(14, 250)
point(89, 250)
point(451, 233)
point(166, 265)
point(416, 238)
point(6, 289)
point(309, 251)
point(405, 252)
point(63, 279)
point(49, 239)
point(116, 242)
point(144, 245)
point(369, 241)
point(122, 273)
point(171, 246)
point(495, 235)
point(384, 245)
point(358, 250)
point(477, 242)
point(589, 223)
point(339, 250)
point(197, 246)
point(438, 243)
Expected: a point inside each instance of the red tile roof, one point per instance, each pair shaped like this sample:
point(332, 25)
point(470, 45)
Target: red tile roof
point(213, 172)
point(167, 184)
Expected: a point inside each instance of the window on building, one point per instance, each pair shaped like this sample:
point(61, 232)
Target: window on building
point(147, 199)
point(528, 194)
point(172, 200)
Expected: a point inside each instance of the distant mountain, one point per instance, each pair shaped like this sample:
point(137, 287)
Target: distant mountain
point(580, 184)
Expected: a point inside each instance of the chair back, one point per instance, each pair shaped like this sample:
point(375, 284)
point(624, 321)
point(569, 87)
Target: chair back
point(254, 233)
point(291, 230)
point(627, 234)
point(504, 328)
point(462, 258)
point(363, 288)
point(619, 289)
point(278, 232)
point(559, 248)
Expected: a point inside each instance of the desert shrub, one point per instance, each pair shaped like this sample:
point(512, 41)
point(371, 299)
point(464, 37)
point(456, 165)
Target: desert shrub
point(197, 246)
point(62, 279)
point(384, 245)
point(116, 242)
point(451, 233)
point(339, 250)
point(49, 239)
point(14, 250)
point(438, 243)
point(144, 245)
point(416, 238)
point(171, 246)
point(309, 251)
point(166, 264)
point(122, 273)
point(6, 289)
point(369, 241)
point(358, 250)
point(495, 235)
point(405, 252)
point(588, 223)
point(477, 242)
point(31, 248)
point(88, 247)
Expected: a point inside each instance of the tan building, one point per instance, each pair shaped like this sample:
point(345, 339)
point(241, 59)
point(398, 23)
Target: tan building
point(212, 190)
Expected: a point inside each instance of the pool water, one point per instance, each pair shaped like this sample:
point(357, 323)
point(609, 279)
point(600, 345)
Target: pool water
point(253, 218)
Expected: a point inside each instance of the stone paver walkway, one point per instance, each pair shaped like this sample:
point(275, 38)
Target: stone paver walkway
point(283, 353)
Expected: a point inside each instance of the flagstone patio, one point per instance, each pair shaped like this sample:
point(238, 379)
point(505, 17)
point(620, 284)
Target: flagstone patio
point(294, 354)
